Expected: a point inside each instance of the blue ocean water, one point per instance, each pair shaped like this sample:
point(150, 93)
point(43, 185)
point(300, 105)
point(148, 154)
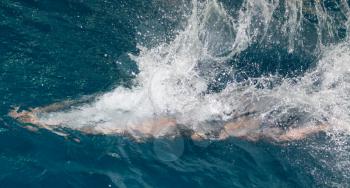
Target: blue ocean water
point(53, 50)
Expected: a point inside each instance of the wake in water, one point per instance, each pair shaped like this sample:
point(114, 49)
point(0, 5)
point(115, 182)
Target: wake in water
point(174, 87)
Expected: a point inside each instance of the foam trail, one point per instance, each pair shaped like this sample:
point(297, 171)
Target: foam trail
point(174, 77)
point(173, 84)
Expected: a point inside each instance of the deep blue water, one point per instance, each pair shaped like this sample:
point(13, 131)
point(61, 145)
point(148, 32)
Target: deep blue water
point(53, 50)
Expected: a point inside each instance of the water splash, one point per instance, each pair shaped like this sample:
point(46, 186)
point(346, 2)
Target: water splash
point(174, 77)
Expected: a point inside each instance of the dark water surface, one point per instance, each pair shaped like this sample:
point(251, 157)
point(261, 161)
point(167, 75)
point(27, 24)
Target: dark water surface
point(53, 50)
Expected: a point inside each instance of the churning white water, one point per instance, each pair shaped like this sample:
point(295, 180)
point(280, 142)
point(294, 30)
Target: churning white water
point(174, 76)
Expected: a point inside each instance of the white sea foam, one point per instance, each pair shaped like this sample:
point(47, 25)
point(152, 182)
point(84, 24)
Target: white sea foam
point(174, 76)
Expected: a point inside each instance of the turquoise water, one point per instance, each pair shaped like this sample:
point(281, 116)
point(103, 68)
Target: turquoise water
point(52, 51)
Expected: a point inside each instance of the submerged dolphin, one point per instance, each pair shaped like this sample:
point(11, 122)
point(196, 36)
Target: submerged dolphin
point(247, 126)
